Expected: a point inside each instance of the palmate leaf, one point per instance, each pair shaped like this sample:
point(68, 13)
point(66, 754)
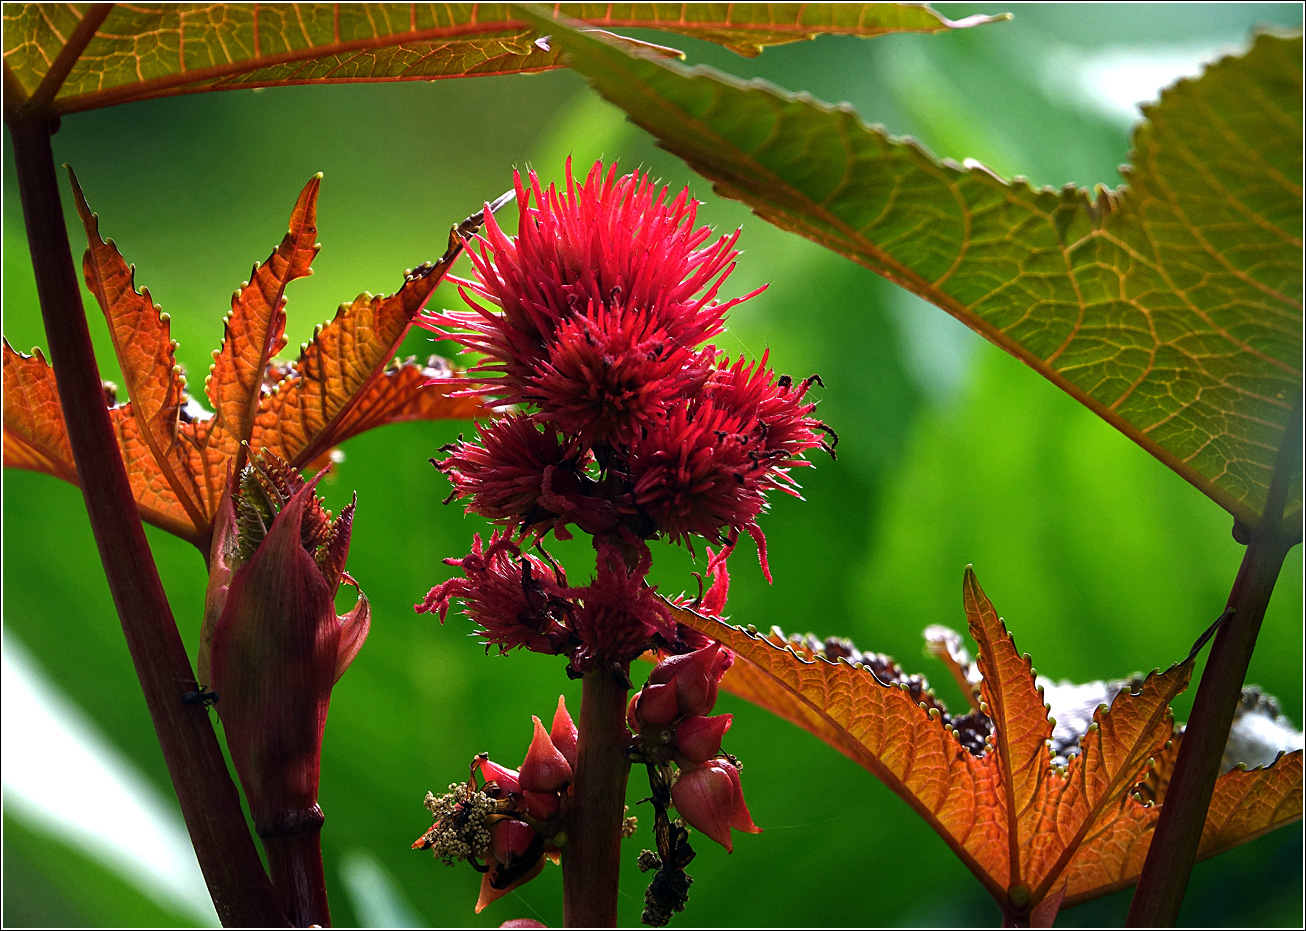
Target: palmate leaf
point(1171, 307)
point(178, 456)
point(988, 781)
point(98, 57)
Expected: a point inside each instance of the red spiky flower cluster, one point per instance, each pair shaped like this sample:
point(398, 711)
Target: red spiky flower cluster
point(593, 322)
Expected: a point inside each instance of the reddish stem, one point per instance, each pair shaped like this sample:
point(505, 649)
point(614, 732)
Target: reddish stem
point(295, 862)
point(209, 802)
point(591, 859)
point(1173, 849)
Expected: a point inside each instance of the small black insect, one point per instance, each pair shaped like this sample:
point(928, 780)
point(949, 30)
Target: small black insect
point(201, 696)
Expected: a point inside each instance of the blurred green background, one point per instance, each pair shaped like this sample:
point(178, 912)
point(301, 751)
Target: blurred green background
point(1102, 561)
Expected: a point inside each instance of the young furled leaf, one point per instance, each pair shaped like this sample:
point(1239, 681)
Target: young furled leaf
point(179, 457)
point(989, 781)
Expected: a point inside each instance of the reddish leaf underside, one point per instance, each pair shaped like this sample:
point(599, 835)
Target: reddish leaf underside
point(343, 383)
point(1026, 827)
point(255, 330)
point(34, 436)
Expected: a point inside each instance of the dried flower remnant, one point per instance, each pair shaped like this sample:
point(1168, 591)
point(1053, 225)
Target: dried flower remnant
point(510, 823)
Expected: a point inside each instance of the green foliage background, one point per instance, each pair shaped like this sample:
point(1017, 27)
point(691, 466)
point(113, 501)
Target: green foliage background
point(1102, 562)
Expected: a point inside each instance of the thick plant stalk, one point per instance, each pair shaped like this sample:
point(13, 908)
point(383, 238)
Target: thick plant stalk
point(209, 802)
point(295, 862)
point(1183, 814)
point(591, 859)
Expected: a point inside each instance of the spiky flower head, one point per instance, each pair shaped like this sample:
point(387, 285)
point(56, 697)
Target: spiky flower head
point(604, 295)
point(594, 322)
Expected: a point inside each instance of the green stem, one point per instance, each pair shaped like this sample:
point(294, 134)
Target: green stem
point(1174, 845)
point(209, 802)
point(295, 862)
point(591, 858)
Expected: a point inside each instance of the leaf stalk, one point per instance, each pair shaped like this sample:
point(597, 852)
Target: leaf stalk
point(209, 802)
point(1174, 845)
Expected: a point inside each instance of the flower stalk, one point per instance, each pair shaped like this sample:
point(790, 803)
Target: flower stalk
point(591, 858)
point(208, 799)
point(629, 428)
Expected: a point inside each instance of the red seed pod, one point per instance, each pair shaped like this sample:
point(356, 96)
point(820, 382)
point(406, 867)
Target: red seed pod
point(563, 733)
point(740, 819)
point(510, 840)
point(631, 721)
point(545, 769)
point(522, 850)
point(698, 739)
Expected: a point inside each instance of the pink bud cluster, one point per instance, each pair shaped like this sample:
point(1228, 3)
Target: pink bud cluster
point(510, 820)
point(594, 322)
point(670, 715)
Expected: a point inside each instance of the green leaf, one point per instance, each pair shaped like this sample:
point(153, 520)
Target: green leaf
point(139, 52)
point(1171, 307)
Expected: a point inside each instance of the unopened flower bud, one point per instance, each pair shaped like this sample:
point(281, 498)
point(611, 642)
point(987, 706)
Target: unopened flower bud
point(523, 859)
point(696, 676)
point(542, 806)
point(563, 733)
point(698, 739)
point(510, 840)
point(655, 706)
point(507, 779)
point(545, 769)
point(710, 799)
point(273, 646)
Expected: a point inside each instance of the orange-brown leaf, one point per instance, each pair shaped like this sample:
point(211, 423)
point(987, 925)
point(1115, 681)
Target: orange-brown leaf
point(140, 330)
point(255, 330)
point(1101, 829)
point(35, 436)
point(302, 416)
point(402, 393)
point(178, 459)
point(989, 783)
point(156, 498)
point(878, 725)
point(1021, 732)
point(1249, 802)
point(146, 354)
